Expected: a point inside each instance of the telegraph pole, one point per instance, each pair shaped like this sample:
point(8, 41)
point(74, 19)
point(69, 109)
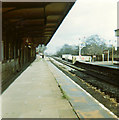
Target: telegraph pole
point(81, 45)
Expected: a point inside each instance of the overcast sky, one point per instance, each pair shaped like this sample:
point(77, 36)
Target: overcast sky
point(87, 17)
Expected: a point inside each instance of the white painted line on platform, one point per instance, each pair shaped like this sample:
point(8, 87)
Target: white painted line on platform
point(93, 98)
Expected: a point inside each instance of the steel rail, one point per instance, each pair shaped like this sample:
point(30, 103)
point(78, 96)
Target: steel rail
point(103, 73)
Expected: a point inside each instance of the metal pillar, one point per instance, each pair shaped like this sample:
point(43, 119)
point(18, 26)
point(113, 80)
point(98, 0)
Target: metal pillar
point(108, 55)
point(102, 57)
point(112, 54)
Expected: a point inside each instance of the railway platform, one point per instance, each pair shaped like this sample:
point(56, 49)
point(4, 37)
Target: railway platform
point(35, 94)
point(43, 91)
point(115, 64)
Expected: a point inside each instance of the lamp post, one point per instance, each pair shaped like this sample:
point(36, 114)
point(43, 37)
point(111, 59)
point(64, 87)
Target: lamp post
point(114, 47)
point(79, 48)
point(112, 50)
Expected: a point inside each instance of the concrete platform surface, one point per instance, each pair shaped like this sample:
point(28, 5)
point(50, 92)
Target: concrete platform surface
point(35, 94)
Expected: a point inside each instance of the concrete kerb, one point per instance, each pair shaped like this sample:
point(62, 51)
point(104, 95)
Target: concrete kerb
point(65, 95)
point(62, 91)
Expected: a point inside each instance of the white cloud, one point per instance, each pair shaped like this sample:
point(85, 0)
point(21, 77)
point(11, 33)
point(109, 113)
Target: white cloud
point(87, 17)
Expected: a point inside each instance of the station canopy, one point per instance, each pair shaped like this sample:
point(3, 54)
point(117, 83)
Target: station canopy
point(34, 19)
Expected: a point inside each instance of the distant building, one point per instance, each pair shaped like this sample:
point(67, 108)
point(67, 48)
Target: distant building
point(117, 32)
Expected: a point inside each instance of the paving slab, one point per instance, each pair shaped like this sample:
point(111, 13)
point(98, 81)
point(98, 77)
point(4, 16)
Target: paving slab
point(35, 94)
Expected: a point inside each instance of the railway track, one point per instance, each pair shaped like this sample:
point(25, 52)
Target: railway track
point(102, 73)
point(105, 80)
point(104, 91)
